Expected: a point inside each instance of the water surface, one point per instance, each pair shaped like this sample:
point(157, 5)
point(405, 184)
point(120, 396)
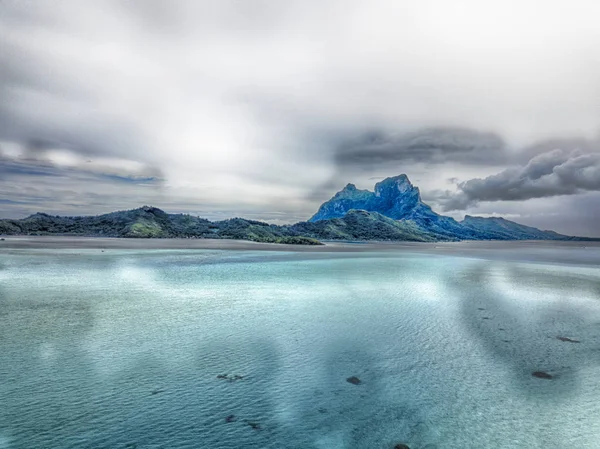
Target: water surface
point(124, 347)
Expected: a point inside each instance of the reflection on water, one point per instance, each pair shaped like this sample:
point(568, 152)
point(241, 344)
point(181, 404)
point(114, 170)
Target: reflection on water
point(229, 349)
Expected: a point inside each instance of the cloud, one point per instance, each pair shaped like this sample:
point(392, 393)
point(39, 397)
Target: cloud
point(550, 174)
point(56, 180)
point(585, 145)
point(244, 107)
point(45, 160)
point(430, 146)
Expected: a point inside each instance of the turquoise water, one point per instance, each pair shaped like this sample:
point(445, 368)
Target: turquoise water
point(123, 349)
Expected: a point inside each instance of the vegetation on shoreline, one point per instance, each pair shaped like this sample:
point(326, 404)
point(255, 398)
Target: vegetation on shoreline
point(151, 222)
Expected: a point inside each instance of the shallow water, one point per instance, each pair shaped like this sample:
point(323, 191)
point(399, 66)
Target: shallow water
point(122, 349)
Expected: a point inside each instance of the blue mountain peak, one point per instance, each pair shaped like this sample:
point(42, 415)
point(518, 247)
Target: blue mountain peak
point(400, 182)
point(397, 198)
point(393, 197)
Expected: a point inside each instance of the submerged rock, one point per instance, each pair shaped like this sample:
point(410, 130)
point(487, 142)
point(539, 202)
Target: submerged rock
point(542, 375)
point(569, 340)
point(230, 377)
point(401, 446)
point(230, 418)
point(353, 380)
point(254, 425)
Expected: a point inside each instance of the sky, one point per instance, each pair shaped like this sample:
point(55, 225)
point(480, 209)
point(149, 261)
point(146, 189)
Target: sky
point(264, 109)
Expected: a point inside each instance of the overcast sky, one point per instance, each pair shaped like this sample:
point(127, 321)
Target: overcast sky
point(264, 109)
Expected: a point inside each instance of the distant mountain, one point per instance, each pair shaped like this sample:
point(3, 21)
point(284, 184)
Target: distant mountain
point(393, 211)
point(499, 228)
point(396, 198)
point(151, 222)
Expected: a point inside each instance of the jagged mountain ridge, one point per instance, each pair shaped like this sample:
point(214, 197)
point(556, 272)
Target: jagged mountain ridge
point(393, 212)
point(397, 198)
point(392, 197)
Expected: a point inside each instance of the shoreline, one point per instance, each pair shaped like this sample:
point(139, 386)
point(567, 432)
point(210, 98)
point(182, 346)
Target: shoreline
point(81, 242)
point(538, 250)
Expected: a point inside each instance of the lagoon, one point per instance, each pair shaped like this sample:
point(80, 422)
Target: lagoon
point(110, 344)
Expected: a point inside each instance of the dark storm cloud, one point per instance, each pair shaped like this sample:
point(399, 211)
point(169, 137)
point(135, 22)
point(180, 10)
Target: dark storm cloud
point(524, 155)
point(550, 174)
point(429, 146)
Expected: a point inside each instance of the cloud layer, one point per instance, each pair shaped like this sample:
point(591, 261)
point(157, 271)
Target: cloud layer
point(554, 173)
point(265, 108)
point(430, 146)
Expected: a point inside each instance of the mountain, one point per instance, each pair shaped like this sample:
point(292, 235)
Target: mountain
point(363, 225)
point(393, 211)
point(503, 229)
point(393, 198)
point(151, 222)
point(398, 199)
